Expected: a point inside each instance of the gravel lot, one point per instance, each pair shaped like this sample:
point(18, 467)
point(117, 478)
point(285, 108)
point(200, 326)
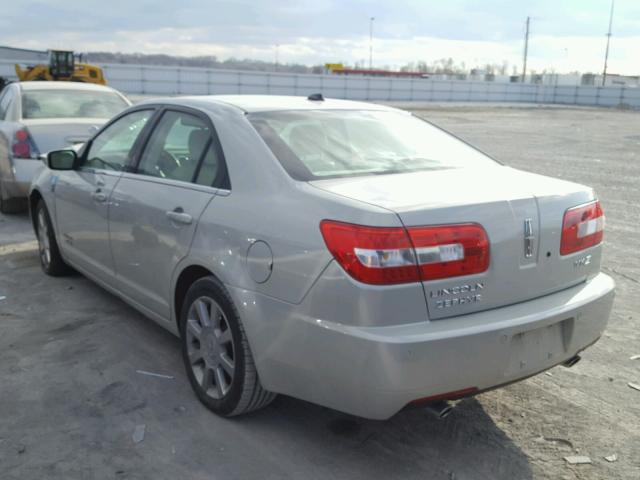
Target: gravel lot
point(71, 397)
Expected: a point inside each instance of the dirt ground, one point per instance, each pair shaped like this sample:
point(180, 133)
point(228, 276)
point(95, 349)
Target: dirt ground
point(71, 395)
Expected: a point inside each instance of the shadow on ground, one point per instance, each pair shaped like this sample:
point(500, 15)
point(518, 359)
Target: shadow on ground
point(71, 399)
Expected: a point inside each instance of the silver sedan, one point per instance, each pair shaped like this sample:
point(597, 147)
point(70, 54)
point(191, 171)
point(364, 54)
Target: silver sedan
point(36, 117)
point(344, 253)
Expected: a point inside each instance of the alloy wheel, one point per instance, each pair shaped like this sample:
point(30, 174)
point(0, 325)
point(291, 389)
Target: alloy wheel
point(210, 347)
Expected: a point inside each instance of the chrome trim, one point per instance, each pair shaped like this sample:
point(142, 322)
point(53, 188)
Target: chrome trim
point(528, 238)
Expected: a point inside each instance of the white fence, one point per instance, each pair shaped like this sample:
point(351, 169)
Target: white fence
point(161, 81)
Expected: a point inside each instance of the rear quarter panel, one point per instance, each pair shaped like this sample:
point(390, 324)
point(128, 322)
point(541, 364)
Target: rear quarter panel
point(288, 221)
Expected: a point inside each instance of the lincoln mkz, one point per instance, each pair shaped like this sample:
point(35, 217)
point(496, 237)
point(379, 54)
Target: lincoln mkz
point(344, 253)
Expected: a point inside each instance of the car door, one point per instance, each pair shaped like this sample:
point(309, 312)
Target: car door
point(155, 210)
point(82, 195)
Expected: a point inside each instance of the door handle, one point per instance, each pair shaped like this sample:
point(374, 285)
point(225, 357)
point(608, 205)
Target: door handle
point(179, 216)
point(99, 196)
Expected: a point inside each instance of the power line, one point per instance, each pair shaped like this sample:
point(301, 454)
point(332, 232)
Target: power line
point(606, 53)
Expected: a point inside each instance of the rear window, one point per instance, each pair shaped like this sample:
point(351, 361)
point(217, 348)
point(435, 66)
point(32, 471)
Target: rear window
point(316, 144)
point(71, 104)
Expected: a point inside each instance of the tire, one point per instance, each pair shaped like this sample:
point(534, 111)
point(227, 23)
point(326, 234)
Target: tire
point(216, 352)
point(12, 205)
point(50, 259)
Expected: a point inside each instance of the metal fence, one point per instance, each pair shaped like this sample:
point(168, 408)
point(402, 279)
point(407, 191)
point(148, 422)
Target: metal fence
point(162, 81)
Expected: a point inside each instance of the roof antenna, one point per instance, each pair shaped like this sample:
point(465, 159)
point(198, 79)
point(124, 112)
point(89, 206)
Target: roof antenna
point(316, 97)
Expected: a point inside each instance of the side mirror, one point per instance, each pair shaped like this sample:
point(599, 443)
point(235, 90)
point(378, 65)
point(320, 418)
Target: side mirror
point(62, 159)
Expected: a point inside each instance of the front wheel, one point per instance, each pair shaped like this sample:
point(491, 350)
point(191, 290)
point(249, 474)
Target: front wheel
point(216, 352)
point(50, 258)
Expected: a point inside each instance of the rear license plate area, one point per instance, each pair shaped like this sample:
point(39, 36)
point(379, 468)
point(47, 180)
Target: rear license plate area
point(537, 349)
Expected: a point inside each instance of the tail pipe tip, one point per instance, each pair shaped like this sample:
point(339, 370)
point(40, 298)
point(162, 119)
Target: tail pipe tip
point(572, 361)
point(440, 408)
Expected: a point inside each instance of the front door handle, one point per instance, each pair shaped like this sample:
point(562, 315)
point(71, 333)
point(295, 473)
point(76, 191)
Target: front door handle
point(179, 216)
point(99, 196)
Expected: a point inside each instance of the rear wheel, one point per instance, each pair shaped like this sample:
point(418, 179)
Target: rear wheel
point(50, 258)
point(216, 352)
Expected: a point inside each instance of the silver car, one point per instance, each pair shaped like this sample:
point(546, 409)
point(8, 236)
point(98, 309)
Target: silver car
point(36, 117)
point(343, 253)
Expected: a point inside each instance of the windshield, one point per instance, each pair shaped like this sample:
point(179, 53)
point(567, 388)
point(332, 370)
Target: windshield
point(71, 104)
point(316, 144)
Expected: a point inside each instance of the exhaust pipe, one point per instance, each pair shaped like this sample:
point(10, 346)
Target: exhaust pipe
point(440, 409)
point(572, 361)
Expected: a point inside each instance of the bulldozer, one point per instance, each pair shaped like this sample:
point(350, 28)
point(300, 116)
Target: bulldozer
point(62, 66)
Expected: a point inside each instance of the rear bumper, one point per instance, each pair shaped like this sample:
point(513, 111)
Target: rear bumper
point(374, 372)
point(23, 170)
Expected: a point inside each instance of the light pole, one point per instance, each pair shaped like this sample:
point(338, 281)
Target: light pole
point(526, 51)
point(606, 53)
point(371, 42)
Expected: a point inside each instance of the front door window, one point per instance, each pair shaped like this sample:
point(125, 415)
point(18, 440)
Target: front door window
point(111, 149)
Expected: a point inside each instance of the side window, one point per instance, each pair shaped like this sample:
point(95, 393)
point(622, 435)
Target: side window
point(211, 171)
point(112, 148)
point(175, 147)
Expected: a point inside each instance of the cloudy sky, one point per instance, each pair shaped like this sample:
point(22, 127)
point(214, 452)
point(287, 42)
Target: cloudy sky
point(566, 35)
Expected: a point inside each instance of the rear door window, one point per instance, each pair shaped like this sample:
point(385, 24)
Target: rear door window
point(176, 147)
point(212, 170)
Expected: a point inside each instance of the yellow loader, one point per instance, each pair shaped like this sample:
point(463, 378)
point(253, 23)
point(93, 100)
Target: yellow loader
point(62, 66)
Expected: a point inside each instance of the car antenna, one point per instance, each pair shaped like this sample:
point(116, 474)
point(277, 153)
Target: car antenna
point(316, 97)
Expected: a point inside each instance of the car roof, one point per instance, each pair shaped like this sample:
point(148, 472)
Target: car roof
point(269, 103)
point(55, 85)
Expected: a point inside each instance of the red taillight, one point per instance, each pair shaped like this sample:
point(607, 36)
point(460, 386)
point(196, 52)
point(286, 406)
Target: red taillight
point(392, 255)
point(582, 227)
point(450, 250)
point(21, 147)
point(375, 255)
point(22, 136)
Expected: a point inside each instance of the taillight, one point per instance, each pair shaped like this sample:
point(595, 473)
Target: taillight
point(450, 250)
point(375, 255)
point(393, 255)
point(582, 227)
point(22, 146)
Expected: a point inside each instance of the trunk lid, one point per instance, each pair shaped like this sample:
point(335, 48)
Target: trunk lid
point(56, 134)
point(505, 202)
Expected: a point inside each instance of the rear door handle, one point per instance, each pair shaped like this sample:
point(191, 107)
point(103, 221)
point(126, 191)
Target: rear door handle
point(179, 216)
point(99, 196)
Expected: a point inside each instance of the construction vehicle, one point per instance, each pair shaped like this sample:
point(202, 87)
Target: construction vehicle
point(62, 66)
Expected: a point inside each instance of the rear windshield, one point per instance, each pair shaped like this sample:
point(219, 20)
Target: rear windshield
point(71, 104)
point(316, 144)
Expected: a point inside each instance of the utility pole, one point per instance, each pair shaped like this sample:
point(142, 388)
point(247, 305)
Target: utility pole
point(526, 51)
point(277, 48)
point(371, 42)
point(606, 53)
